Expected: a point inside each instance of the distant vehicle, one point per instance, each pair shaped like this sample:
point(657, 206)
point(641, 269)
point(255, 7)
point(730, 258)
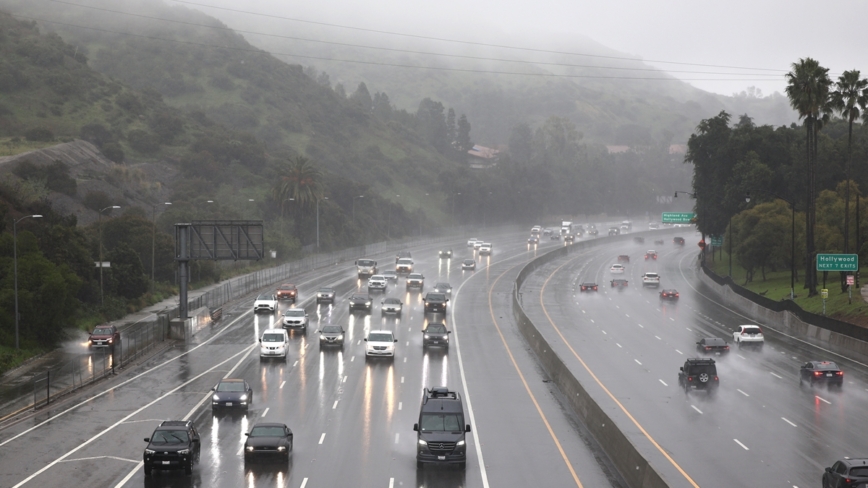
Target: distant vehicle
point(403, 255)
point(360, 301)
point(416, 280)
point(670, 294)
point(678, 241)
point(295, 317)
point(231, 393)
point(617, 269)
point(712, 345)
point(265, 302)
point(619, 282)
point(268, 440)
point(534, 240)
point(485, 249)
point(699, 375)
point(639, 240)
point(325, 295)
point(366, 267)
point(404, 266)
point(435, 302)
point(569, 238)
point(273, 344)
point(566, 227)
point(175, 444)
point(592, 231)
point(435, 335)
point(822, 372)
point(391, 305)
point(446, 254)
point(441, 429)
point(380, 343)
point(443, 287)
point(653, 225)
point(614, 231)
point(624, 229)
point(748, 335)
point(104, 336)
point(390, 275)
point(471, 241)
point(846, 473)
point(331, 335)
point(658, 241)
point(536, 230)
point(651, 279)
point(627, 224)
point(377, 283)
point(477, 245)
point(650, 254)
point(287, 291)
point(468, 265)
point(547, 232)
point(555, 237)
point(588, 286)
point(623, 258)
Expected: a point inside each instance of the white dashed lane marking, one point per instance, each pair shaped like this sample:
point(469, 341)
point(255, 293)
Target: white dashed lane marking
point(664, 383)
point(698, 410)
point(776, 375)
point(743, 393)
point(322, 438)
point(742, 445)
point(827, 402)
point(787, 421)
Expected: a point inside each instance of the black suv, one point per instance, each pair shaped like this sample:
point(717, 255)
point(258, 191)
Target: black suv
point(435, 335)
point(846, 472)
point(699, 374)
point(435, 302)
point(174, 445)
point(441, 428)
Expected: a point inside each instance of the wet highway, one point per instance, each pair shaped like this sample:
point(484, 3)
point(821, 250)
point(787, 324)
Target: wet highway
point(352, 418)
point(626, 345)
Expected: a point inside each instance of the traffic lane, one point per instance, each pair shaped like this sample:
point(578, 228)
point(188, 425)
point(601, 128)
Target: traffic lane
point(500, 399)
point(644, 341)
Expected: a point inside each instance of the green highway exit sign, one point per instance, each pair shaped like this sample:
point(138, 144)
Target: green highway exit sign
point(677, 217)
point(837, 262)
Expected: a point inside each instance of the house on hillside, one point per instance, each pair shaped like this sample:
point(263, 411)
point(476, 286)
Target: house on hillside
point(482, 157)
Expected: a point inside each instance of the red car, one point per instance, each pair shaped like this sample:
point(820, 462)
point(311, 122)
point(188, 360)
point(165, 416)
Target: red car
point(651, 255)
point(287, 292)
point(104, 336)
point(589, 287)
point(669, 295)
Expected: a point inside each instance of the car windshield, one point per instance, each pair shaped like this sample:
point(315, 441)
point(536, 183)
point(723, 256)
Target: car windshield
point(365, 262)
point(274, 431)
point(264, 297)
point(436, 297)
point(332, 329)
point(377, 278)
point(415, 276)
point(442, 285)
point(230, 386)
point(272, 338)
point(294, 312)
point(391, 301)
point(170, 437)
point(287, 287)
point(469, 261)
point(380, 337)
point(359, 297)
point(405, 261)
point(826, 366)
point(441, 422)
point(102, 331)
point(326, 290)
point(436, 328)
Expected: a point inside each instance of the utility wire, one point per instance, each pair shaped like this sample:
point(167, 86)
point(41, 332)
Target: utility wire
point(404, 51)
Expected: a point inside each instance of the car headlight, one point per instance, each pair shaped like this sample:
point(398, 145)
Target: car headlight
point(150, 451)
point(184, 452)
point(422, 442)
point(110, 341)
point(340, 337)
point(215, 398)
point(281, 448)
point(427, 336)
point(367, 304)
point(460, 443)
point(248, 448)
point(243, 398)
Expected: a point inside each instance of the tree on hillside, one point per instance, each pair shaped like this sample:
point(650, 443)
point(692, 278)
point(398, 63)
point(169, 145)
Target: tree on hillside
point(462, 138)
point(362, 98)
point(521, 144)
point(808, 87)
point(382, 106)
point(451, 130)
point(431, 124)
point(710, 153)
point(300, 181)
point(849, 99)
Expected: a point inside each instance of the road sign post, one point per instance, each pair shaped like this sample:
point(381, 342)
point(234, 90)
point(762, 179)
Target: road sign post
point(677, 217)
point(825, 294)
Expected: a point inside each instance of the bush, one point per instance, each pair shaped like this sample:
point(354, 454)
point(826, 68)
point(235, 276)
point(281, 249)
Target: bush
point(143, 142)
point(96, 134)
point(41, 134)
point(55, 176)
point(113, 151)
point(129, 102)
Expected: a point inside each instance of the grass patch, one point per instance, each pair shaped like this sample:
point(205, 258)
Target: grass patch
point(11, 358)
point(776, 286)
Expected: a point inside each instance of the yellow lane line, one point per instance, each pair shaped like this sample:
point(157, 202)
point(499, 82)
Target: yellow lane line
point(526, 386)
point(588, 369)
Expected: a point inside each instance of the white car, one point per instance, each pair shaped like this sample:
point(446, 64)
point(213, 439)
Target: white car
point(749, 335)
point(477, 244)
point(266, 302)
point(273, 344)
point(651, 279)
point(377, 283)
point(380, 343)
point(391, 305)
point(617, 269)
point(471, 242)
point(404, 265)
point(295, 317)
point(485, 249)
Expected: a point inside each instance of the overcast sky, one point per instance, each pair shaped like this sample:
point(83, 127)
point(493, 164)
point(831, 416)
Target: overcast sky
point(764, 35)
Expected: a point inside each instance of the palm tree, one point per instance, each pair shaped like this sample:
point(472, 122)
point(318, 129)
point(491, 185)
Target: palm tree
point(849, 99)
point(301, 181)
point(808, 87)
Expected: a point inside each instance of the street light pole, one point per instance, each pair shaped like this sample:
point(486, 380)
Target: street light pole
point(99, 223)
point(153, 244)
point(15, 266)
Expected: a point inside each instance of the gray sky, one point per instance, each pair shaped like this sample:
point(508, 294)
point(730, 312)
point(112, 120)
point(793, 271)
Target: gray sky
point(760, 35)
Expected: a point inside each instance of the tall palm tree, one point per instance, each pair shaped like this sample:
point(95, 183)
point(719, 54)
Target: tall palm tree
point(300, 181)
point(849, 99)
point(808, 87)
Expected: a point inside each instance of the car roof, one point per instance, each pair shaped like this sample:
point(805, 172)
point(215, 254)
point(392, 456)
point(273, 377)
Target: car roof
point(274, 331)
point(714, 340)
point(286, 286)
point(468, 260)
point(381, 331)
point(391, 300)
point(267, 424)
point(231, 380)
point(265, 295)
point(376, 277)
point(616, 265)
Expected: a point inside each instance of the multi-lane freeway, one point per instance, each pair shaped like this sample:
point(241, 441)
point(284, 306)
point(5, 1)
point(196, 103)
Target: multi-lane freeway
point(353, 418)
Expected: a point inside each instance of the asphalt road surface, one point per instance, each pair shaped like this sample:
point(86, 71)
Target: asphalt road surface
point(352, 418)
point(762, 428)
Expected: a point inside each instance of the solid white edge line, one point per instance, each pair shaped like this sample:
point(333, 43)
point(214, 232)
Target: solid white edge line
point(134, 413)
point(776, 375)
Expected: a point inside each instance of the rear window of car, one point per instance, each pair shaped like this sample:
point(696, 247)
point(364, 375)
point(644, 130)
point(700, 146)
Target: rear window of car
point(859, 471)
point(703, 368)
point(753, 330)
point(715, 341)
point(826, 366)
point(651, 275)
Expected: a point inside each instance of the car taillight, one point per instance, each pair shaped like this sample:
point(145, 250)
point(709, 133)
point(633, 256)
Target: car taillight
point(840, 373)
point(817, 373)
point(707, 348)
point(690, 378)
point(743, 333)
point(716, 379)
point(676, 294)
point(726, 347)
point(595, 287)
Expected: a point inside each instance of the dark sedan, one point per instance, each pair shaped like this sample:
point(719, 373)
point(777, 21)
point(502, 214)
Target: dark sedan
point(232, 393)
point(268, 440)
point(821, 372)
point(678, 241)
point(360, 301)
point(712, 345)
point(325, 295)
point(619, 282)
point(669, 294)
point(331, 335)
point(533, 240)
point(588, 286)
